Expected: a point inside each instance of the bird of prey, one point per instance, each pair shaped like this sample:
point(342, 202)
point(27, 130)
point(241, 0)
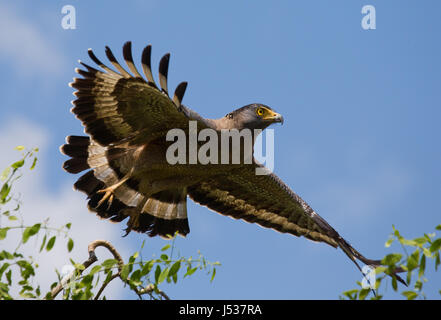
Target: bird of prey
point(126, 119)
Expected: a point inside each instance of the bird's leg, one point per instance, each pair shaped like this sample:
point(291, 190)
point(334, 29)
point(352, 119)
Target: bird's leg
point(109, 191)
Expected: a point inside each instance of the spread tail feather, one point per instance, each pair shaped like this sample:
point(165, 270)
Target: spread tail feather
point(163, 213)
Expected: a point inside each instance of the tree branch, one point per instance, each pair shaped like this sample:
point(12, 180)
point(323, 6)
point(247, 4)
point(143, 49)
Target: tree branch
point(92, 259)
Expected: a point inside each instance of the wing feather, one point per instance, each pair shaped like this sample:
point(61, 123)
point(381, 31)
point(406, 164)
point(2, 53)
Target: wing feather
point(117, 107)
point(179, 94)
point(163, 72)
point(127, 53)
point(102, 65)
point(265, 200)
point(146, 63)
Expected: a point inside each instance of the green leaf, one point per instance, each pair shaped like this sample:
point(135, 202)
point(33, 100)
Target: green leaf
point(438, 227)
point(9, 276)
point(30, 231)
point(147, 267)
point(3, 233)
point(18, 164)
point(380, 269)
point(5, 174)
point(174, 268)
point(422, 266)
point(132, 259)
point(79, 266)
point(391, 259)
point(4, 192)
point(95, 269)
point(50, 243)
point(163, 275)
point(409, 277)
point(3, 268)
point(407, 242)
point(363, 293)
point(109, 263)
point(389, 242)
point(214, 274)
point(68, 225)
point(135, 278)
point(164, 257)
point(27, 295)
point(436, 245)
point(70, 245)
point(190, 271)
point(394, 283)
point(43, 243)
point(427, 252)
point(33, 164)
point(19, 148)
point(396, 232)
point(125, 271)
point(108, 277)
point(12, 218)
point(420, 241)
point(410, 295)
point(165, 247)
point(6, 255)
point(87, 279)
point(351, 294)
point(419, 285)
point(412, 261)
point(157, 273)
point(27, 269)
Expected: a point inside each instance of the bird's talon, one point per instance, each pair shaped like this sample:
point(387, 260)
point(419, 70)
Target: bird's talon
point(108, 194)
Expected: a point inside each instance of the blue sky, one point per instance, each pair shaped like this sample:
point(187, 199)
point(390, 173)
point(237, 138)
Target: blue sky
point(360, 141)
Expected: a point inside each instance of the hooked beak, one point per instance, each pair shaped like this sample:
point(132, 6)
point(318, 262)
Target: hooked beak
point(274, 117)
point(278, 118)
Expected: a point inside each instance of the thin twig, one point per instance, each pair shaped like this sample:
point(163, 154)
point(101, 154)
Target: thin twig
point(92, 259)
point(149, 289)
point(116, 275)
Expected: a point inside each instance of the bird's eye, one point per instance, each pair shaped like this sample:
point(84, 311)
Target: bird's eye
point(260, 112)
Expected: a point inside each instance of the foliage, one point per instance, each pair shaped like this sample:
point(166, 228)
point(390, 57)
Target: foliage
point(143, 277)
point(18, 272)
point(422, 250)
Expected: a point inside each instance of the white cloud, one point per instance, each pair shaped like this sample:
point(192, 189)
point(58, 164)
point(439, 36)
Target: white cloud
point(25, 46)
point(65, 205)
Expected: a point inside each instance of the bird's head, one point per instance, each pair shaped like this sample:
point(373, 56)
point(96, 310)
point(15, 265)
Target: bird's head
point(255, 116)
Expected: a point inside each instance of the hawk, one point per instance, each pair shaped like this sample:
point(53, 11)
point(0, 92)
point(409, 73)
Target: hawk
point(126, 119)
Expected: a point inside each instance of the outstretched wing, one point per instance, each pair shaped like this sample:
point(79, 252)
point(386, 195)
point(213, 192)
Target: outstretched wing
point(262, 199)
point(269, 202)
point(115, 106)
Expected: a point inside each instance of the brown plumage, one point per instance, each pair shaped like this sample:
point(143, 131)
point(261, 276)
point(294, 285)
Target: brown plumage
point(127, 117)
